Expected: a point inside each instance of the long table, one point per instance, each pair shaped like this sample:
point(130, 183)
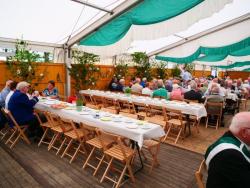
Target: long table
point(130, 128)
point(197, 110)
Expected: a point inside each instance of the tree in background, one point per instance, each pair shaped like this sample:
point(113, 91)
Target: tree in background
point(142, 65)
point(84, 72)
point(160, 69)
point(22, 65)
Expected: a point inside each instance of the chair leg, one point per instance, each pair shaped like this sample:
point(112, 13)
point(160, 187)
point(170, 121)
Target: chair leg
point(87, 160)
point(130, 173)
point(177, 138)
point(99, 164)
point(108, 167)
point(61, 146)
point(11, 136)
point(67, 148)
point(52, 142)
point(207, 122)
point(24, 137)
point(76, 152)
point(168, 131)
point(15, 141)
point(44, 134)
point(121, 176)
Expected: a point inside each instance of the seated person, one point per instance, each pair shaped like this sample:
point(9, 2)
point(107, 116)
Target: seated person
point(51, 91)
point(147, 90)
point(120, 86)
point(113, 84)
point(12, 90)
point(228, 159)
point(193, 94)
point(137, 88)
point(4, 93)
point(176, 93)
point(21, 108)
point(161, 91)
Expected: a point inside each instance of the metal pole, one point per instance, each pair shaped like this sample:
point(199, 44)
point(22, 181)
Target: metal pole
point(93, 6)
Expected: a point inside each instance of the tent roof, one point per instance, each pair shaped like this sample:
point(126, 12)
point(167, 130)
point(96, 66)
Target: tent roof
point(49, 21)
point(53, 21)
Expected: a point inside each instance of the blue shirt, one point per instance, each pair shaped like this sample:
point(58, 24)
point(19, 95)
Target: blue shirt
point(54, 92)
point(3, 96)
point(186, 76)
point(21, 107)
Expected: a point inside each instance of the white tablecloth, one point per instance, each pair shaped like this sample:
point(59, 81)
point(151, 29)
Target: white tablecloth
point(87, 116)
point(197, 110)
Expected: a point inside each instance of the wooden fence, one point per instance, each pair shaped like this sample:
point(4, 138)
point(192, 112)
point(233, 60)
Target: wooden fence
point(57, 72)
point(51, 71)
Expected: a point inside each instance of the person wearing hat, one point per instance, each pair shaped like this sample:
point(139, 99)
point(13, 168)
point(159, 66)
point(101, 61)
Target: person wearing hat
point(51, 91)
point(228, 159)
point(21, 108)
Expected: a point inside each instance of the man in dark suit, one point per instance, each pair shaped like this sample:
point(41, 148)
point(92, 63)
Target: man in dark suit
point(228, 159)
point(21, 108)
point(193, 94)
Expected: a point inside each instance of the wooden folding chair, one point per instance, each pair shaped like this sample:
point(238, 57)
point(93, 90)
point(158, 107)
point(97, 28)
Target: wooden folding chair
point(214, 109)
point(119, 152)
point(199, 174)
point(76, 135)
point(174, 123)
point(110, 105)
point(98, 101)
point(141, 108)
point(96, 144)
point(6, 129)
point(125, 106)
point(87, 98)
point(19, 131)
point(58, 129)
point(46, 126)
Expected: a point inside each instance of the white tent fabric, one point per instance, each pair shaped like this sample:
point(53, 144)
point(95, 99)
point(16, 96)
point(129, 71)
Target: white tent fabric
point(153, 31)
point(222, 37)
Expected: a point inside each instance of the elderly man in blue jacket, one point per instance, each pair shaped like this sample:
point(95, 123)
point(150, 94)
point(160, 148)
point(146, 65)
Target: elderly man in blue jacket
point(21, 108)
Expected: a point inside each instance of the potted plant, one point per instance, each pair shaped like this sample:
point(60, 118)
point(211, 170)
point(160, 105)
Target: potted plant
point(127, 91)
point(79, 104)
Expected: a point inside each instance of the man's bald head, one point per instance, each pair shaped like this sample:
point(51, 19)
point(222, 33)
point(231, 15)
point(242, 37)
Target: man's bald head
point(240, 126)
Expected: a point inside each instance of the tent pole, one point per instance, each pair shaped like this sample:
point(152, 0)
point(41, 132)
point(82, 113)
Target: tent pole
point(93, 6)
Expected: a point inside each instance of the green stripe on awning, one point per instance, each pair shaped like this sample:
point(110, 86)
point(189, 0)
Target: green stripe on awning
point(213, 54)
point(147, 12)
point(236, 64)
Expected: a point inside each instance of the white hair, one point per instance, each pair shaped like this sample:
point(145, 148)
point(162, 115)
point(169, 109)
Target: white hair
point(239, 121)
point(193, 84)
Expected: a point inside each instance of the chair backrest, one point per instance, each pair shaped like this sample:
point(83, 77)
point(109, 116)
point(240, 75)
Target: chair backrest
point(214, 108)
point(199, 174)
point(68, 124)
point(10, 117)
point(89, 132)
point(173, 113)
point(87, 98)
point(53, 119)
point(117, 139)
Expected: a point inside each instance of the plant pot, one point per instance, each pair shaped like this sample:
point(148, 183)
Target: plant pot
point(79, 108)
